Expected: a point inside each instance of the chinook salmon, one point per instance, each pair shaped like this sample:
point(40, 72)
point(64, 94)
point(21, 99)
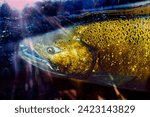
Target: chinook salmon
point(118, 46)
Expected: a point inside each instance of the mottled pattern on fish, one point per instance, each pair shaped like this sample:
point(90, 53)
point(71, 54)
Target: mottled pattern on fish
point(122, 47)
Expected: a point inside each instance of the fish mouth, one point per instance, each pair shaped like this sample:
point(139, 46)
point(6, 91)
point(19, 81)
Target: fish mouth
point(31, 56)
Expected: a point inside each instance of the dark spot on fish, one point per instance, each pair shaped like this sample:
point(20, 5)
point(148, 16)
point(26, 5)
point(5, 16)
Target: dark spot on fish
point(134, 27)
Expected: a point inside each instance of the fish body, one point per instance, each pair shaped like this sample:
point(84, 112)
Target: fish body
point(121, 47)
point(116, 45)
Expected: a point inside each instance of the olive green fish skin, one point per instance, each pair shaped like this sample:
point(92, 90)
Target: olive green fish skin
point(122, 46)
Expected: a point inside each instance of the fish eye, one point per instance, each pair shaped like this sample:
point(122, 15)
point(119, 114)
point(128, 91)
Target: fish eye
point(53, 50)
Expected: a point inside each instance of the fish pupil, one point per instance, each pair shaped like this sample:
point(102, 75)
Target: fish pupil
point(50, 50)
